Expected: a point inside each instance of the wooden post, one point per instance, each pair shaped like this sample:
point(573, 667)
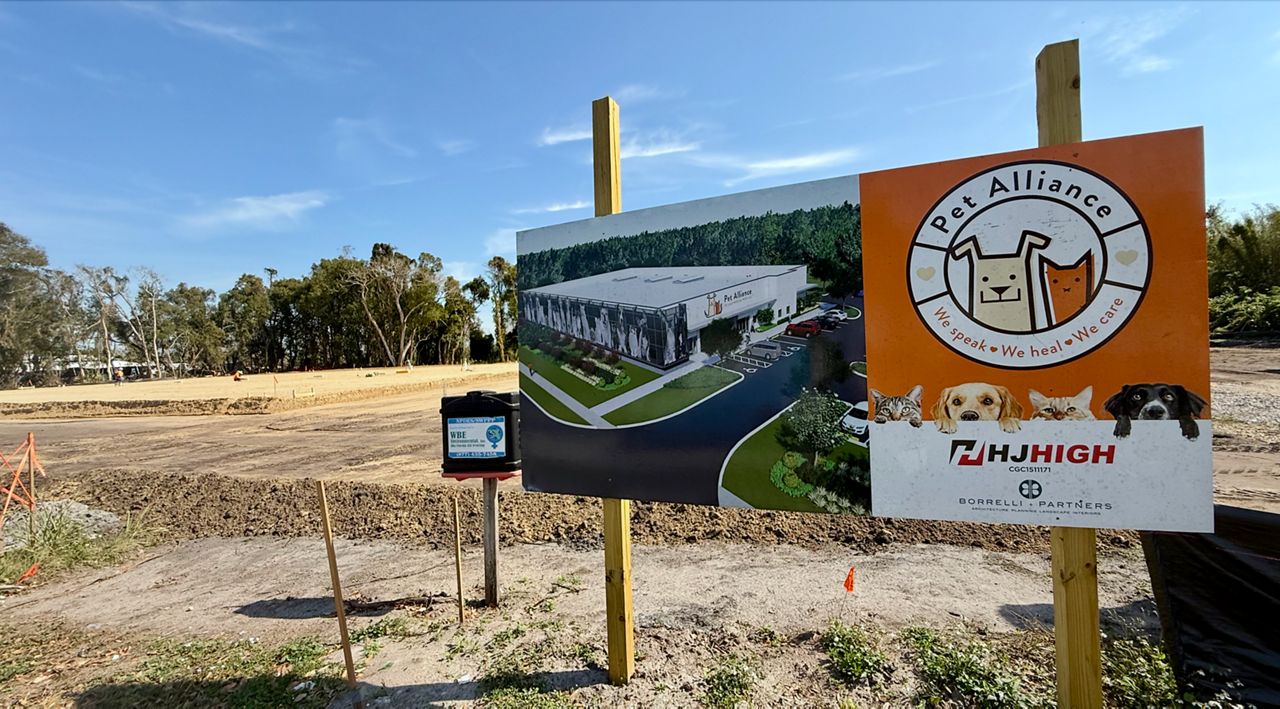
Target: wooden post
point(1075, 552)
point(457, 556)
point(617, 513)
point(31, 472)
point(491, 542)
point(337, 586)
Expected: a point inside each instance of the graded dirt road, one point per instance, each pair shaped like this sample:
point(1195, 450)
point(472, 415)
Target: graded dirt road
point(396, 438)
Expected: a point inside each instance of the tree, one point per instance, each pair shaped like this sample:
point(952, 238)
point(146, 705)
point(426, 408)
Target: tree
point(193, 337)
point(720, 337)
point(501, 278)
point(812, 424)
point(242, 315)
point(32, 296)
point(395, 291)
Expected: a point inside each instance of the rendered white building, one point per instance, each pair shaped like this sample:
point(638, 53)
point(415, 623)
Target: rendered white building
point(655, 315)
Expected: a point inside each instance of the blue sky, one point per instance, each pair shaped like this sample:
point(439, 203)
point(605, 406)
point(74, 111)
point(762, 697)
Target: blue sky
point(209, 140)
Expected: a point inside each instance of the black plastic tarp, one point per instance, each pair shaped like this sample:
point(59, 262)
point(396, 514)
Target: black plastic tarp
point(1219, 601)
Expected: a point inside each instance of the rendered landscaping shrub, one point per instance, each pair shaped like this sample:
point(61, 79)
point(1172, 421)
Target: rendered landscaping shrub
point(787, 481)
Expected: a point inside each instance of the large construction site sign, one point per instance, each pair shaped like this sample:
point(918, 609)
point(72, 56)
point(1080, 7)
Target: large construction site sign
point(1047, 312)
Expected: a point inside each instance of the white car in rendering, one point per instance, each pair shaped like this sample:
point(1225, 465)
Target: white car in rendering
point(837, 313)
point(855, 421)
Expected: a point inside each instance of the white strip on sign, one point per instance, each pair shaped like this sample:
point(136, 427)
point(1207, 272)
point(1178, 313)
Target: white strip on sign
point(477, 437)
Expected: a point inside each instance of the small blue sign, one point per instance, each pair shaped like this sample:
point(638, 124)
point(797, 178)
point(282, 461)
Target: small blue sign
point(494, 434)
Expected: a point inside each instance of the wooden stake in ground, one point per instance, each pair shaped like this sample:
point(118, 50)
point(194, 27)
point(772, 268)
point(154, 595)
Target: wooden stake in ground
point(617, 513)
point(1075, 552)
point(490, 492)
point(31, 471)
point(337, 586)
point(457, 556)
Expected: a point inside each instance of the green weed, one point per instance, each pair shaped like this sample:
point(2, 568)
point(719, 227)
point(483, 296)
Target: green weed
point(60, 545)
point(853, 659)
point(388, 627)
point(967, 674)
point(729, 683)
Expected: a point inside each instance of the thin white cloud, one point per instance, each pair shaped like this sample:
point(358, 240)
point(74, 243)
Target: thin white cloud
point(654, 145)
point(355, 135)
point(887, 72)
point(269, 212)
point(638, 93)
point(461, 270)
point(570, 134)
point(455, 147)
point(554, 207)
point(243, 35)
point(748, 169)
point(965, 98)
point(501, 243)
point(1126, 41)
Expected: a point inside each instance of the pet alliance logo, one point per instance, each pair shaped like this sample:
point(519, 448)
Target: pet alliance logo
point(1029, 264)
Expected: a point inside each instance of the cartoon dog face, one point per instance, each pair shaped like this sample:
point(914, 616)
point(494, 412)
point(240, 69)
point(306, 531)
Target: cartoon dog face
point(1155, 402)
point(1000, 285)
point(977, 401)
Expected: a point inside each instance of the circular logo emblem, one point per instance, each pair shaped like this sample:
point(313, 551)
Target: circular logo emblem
point(494, 434)
point(1029, 489)
point(1029, 264)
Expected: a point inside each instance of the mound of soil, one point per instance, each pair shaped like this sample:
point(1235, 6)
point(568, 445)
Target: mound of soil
point(189, 507)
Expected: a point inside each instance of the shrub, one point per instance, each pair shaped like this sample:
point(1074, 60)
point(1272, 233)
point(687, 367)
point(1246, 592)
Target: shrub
point(786, 480)
point(729, 683)
point(1245, 312)
point(852, 658)
point(612, 358)
point(1136, 673)
point(794, 460)
point(965, 674)
point(587, 366)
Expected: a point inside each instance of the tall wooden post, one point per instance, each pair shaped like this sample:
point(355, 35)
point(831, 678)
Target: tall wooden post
point(490, 490)
point(1075, 553)
point(617, 513)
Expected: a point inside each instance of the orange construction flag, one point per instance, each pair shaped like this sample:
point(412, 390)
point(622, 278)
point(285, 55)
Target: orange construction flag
point(848, 581)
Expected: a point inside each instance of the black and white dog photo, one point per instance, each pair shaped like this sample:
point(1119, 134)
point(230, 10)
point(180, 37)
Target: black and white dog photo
point(1155, 402)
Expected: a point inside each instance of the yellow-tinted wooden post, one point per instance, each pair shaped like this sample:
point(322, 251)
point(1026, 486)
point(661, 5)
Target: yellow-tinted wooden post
point(1075, 551)
point(617, 513)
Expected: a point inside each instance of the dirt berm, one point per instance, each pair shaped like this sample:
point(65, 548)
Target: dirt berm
point(218, 506)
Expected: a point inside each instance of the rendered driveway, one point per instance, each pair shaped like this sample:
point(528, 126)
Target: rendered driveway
point(678, 459)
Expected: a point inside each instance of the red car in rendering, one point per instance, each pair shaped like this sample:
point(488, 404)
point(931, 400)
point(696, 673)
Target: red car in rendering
point(807, 328)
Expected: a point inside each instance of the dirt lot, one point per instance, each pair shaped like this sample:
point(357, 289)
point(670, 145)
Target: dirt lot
point(254, 394)
point(694, 606)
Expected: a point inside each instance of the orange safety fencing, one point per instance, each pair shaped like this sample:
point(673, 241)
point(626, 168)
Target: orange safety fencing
point(22, 461)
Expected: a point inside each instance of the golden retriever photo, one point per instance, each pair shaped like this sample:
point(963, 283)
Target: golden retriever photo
point(977, 401)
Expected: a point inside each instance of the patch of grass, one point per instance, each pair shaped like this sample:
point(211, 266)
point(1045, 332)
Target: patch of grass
point(674, 396)
point(552, 405)
point(853, 659)
point(729, 683)
point(766, 635)
point(221, 673)
point(570, 582)
point(505, 637)
point(525, 698)
point(852, 312)
point(12, 668)
point(461, 647)
point(387, 627)
point(859, 368)
point(966, 674)
point(747, 473)
point(588, 395)
point(61, 545)
point(587, 655)
point(1136, 673)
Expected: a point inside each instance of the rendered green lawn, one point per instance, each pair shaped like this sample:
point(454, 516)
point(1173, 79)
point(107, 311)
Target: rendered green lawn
point(852, 312)
point(583, 392)
point(674, 396)
point(549, 403)
point(747, 474)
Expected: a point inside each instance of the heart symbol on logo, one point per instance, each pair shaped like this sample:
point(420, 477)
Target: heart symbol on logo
point(927, 272)
point(1127, 257)
point(993, 349)
point(1068, 341)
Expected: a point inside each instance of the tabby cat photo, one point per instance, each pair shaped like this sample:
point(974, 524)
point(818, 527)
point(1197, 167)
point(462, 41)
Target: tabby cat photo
point(898, 408)
point(1061, 408)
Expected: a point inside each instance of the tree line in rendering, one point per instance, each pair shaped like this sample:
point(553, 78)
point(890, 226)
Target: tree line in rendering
point(826, 239)
point(389, 309)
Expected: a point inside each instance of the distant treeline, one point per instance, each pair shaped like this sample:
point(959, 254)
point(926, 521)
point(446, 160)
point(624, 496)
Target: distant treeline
point(827, 239)
point(389, 309)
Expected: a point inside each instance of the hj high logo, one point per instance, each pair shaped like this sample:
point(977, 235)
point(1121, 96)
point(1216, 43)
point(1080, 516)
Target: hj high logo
point(1029, 264)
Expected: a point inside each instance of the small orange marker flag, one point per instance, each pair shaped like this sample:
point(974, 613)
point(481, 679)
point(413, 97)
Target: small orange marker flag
point(848, 581)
